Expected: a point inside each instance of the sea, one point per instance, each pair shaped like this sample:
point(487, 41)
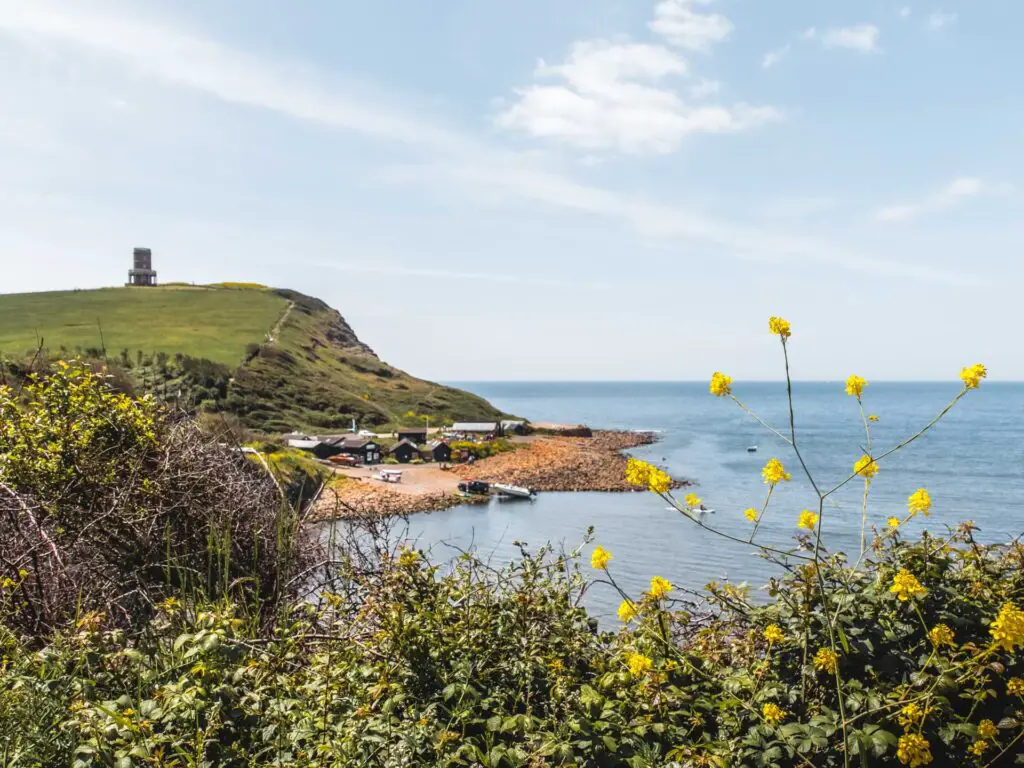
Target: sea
point(971, 462)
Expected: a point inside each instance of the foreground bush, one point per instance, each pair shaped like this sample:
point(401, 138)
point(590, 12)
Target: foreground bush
point(410, 664)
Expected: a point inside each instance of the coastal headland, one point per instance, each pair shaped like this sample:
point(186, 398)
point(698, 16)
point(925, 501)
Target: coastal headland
point(544, 463)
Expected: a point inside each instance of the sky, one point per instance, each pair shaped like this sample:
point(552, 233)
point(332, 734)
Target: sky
point(542, 189)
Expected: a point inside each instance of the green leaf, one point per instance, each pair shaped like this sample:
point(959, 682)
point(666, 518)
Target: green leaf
point(843, 640)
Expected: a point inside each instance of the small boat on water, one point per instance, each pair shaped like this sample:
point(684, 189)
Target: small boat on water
point(516, 491)
point(751, 449)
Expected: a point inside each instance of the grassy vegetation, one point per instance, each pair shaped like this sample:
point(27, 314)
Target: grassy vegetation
point(207, 348)
point(211, 323)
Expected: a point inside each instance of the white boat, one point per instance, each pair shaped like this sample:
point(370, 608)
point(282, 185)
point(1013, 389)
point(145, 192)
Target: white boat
point(389, 476)
point(751, 449)
point(513, 490)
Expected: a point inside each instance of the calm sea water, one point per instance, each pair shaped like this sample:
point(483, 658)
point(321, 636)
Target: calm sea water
point(972, 463)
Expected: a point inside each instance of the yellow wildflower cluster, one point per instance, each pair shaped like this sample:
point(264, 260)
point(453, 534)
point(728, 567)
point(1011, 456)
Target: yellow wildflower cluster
point(627, 611)
point(855, 386)
point(660, 587)
point(600, 558)
point(973, 375)
point(773, 713)
point(872, 417)
point(774, 472)
point(409, 557)
point(978, 748)
point(751, 514)
point(914, 750)
point(721, 385)
point(919, 501)
point(639, 665)
point(894, 522)
point(912, 714)
point(866, 467)
point(1008, 628)
point(692, 500)
point(905, 586)
point(641, 473)
point(773, 633)
point(1016, 686)
point(941, 635)
point(808, 520)
point(987, 729)
point(826, 660)
point(779, 327)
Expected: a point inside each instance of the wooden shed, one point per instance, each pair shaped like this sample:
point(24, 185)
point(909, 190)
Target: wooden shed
point(415, 435)
point(404, 451)
point(438, 450)
point(365, 449)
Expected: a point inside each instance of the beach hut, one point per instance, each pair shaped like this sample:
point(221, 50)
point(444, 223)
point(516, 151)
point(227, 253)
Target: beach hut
point(476, 428)
point(416, 435)
point(438, 450)
point(364, 448)
point(513, 428)
point(404, 451)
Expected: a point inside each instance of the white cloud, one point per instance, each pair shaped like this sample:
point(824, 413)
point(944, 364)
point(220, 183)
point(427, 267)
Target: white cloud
point(681, 26)
point(810, 33)
point(613, 98)
point(774, 57)
point(905, 12)
point(940, 19)
point(947, 197)
point(161, 53)
point(862, 37)
point(705, 88)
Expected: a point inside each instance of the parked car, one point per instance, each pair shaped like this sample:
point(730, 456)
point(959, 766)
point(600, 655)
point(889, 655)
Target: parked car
point(475, 486)
point(367, 433)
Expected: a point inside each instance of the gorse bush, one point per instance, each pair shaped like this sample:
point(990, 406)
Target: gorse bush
point(909, 654)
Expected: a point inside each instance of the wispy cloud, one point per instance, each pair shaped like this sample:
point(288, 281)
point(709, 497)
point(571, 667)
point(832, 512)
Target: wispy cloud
point(949, 196)
point(774, 57)
point(940, 19)
point(905, 12)
point(705, 88)
point(681, 26)
point(862, 38)
point(165, 53)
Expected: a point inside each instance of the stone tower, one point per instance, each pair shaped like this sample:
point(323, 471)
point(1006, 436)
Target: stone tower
point(142, 272)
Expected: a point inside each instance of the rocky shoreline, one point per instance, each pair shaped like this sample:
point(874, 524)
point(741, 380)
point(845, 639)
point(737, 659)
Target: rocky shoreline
point(542, 463)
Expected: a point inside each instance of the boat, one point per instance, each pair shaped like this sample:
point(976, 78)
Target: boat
point(513, 490)
point(389, 476)
point(751, 449)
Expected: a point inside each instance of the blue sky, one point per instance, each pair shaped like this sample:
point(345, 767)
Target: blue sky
point(567, 189)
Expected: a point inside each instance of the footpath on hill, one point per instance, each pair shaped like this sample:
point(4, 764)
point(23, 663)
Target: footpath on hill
point(542, 463)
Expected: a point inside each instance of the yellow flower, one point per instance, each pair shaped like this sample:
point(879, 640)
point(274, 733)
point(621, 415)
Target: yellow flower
point(1008, 628)
point(751, 515)
point(855, 386)
point(866, 467)
point(987, 729)
point(721, 385)
point(409, 557)
point(773, 713)
point(692, 500)
point(773, 633)
point(826, 660)
point(659, 482)
point(639, 664)
point(919, 501)
point(941, 635)
point(973, 375)
point(600, 558)
point(912, 714)
point(905, 586)
point(660, 587)
point(1016, 686)
point(914, 750)
point(894, 522)
point(779, 327)
point(641, 473)
point(773, 472)
point(807, 520)
point(872, 417)
point(627, 611)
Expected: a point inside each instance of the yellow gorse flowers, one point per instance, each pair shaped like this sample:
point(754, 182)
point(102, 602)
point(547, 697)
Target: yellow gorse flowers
point(913, 750)
point(643, 474)
point(919, 501)
point(855, 386)
point(1016, 686)
point(721, 385)
point(779, 327)
point(774, 472)
point(600, 558)
point(773, 634)
point(866, 467)
point(1008, 628)
point(905, 586)
point(987, 729)
point(972, 375)
point(826, 660)
point(639, 665)
point(941, 635)
point(660, 587)
point(894, 522)
point(808, 520)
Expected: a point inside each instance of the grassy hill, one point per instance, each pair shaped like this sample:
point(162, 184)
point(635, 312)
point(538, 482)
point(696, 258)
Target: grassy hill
point(277, 359)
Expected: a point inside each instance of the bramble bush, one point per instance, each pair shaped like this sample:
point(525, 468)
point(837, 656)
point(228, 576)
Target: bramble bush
point(908, 654)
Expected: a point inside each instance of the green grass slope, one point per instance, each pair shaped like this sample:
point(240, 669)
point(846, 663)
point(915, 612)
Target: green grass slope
point(276, 359)
point(214, 323)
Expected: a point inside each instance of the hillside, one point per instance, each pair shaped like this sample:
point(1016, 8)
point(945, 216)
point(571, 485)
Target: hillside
point(277, 359)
